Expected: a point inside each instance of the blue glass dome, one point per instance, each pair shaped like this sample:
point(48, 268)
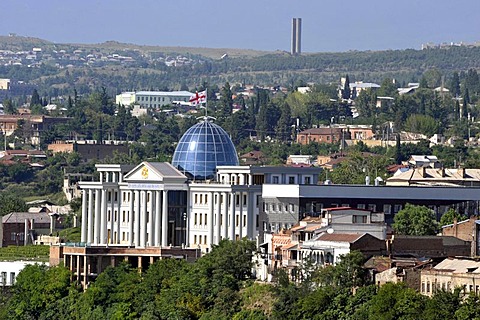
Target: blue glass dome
point(202, 148)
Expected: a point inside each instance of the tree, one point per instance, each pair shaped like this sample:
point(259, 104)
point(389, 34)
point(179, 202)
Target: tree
point(449, 216)
point(36, 291)
point(35, 101)
point(346, 88)
point(455, 85)
point(415, 220)
point(11, 203)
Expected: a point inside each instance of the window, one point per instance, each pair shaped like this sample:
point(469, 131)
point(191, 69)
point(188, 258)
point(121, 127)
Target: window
point(359, 219)
point(275, 180)
point(12, 277)
point(372, 207)
point(244, 199)
point(244, 220)
point(360, 206)
point(205, 219)
point(291, 180)
point(196, 198)
point(307, 180)
point(201, 198)
point(237, 200)
point(206, 198)
point(195, 239)
point(204, 239)
point(387, 209)
point(123, 216)
point(195, 220)
point(200, 220)
point(236, 220)
point(257, 201)
point(397, 208)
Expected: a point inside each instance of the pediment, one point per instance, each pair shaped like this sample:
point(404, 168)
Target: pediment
point(144, 172)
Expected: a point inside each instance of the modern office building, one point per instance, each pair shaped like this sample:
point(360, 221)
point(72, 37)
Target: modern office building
point(153, 99)
point(296, 36)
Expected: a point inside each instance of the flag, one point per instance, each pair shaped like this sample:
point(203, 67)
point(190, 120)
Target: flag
point(198, 98)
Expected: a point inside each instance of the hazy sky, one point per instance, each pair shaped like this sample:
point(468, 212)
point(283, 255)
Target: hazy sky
point(328, 25)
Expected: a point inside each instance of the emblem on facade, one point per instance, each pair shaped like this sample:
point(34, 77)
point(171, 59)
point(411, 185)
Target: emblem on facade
point(145, 173)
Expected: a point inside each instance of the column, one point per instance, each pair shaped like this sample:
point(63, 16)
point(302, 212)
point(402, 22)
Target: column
point(157, 219)
point(85, 271)
point(165, 218)
point(225, 215)
point(240, 229)
point(251, 216)
point(103, 217)
point(232, 216)
point(137, 218)
point(130, 218)
point(119, 215)
point(143, 219)
point(84, 217)
point(219, 218)
point(90, 216)
point(96, 238)
point(151, 221)
point(210, 219)
point(112, 215)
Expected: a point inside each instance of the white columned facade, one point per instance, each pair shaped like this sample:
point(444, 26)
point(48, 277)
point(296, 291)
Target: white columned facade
point(137, 218)
point(96, 238)
point(110, 237)
point(210, 219)
point(251, 216)
point(83, 237)
point(218, 228)
point(151, 221)
point(90, 216)
point(143, 218)
point(103, 217)
point(240, 227)
point(225, 215)
point(131, 218)
point(119, 215)
point(158, 221)
point(164, 226)
point(232, 216)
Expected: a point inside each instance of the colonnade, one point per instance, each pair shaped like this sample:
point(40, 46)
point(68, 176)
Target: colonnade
point(224, 215)
point(102, 217)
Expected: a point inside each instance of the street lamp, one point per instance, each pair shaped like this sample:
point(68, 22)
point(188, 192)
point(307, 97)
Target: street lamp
point(184, 240)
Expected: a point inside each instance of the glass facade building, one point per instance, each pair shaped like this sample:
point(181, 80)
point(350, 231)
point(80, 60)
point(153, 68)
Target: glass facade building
point(202, 148)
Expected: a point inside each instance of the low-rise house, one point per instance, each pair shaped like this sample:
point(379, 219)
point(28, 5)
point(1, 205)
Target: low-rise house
point(449, 274)
point(321, 135)
point(88, 150)
point(429, 161)
point(468, 230)
point(9, 271)
point(253, 158)
point(22, 228)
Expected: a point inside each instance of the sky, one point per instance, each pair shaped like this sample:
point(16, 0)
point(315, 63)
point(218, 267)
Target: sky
point(327, 25)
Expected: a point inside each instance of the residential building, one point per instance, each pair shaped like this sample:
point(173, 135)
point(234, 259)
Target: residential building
point(34, 123)
point(468, 230)
point(450, 274)
point(22, 228)
point(153, 99)
point(89, 149)
point(430, 161)
point(321, 135)
point(9, 271)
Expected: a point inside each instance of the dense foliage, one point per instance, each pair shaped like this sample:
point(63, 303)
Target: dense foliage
point(218, 286)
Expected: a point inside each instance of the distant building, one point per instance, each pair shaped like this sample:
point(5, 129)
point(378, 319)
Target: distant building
point(4, 84)
point(296, 36)
point(153, 99)
point(324, 134)
point(425, 176)
point(9, 271)
point(88, 150)
point(34, 123)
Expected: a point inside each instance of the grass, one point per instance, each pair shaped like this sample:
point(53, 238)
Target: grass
point(31, 253)
point(70, 235)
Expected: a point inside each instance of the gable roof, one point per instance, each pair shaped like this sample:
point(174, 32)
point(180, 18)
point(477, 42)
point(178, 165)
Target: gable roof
point(163, 169)
point(19, 217)
point(340, 237)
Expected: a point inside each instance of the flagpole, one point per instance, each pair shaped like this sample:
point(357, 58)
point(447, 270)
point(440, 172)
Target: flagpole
point(206, 103)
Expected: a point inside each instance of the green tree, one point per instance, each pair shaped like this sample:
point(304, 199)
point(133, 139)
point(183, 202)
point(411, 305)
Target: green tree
point(35, 101)
point(11, 203)
point(346, 88)
point(415, 220)
point(449, 216)
point(37, 289)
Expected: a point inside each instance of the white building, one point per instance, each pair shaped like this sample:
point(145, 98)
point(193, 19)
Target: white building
point(9, 271)
point(153, 99)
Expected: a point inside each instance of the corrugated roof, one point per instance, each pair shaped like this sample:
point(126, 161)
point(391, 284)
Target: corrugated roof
point(459, 266)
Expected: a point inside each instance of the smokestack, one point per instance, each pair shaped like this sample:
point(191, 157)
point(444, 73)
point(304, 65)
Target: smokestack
point(296, 36)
